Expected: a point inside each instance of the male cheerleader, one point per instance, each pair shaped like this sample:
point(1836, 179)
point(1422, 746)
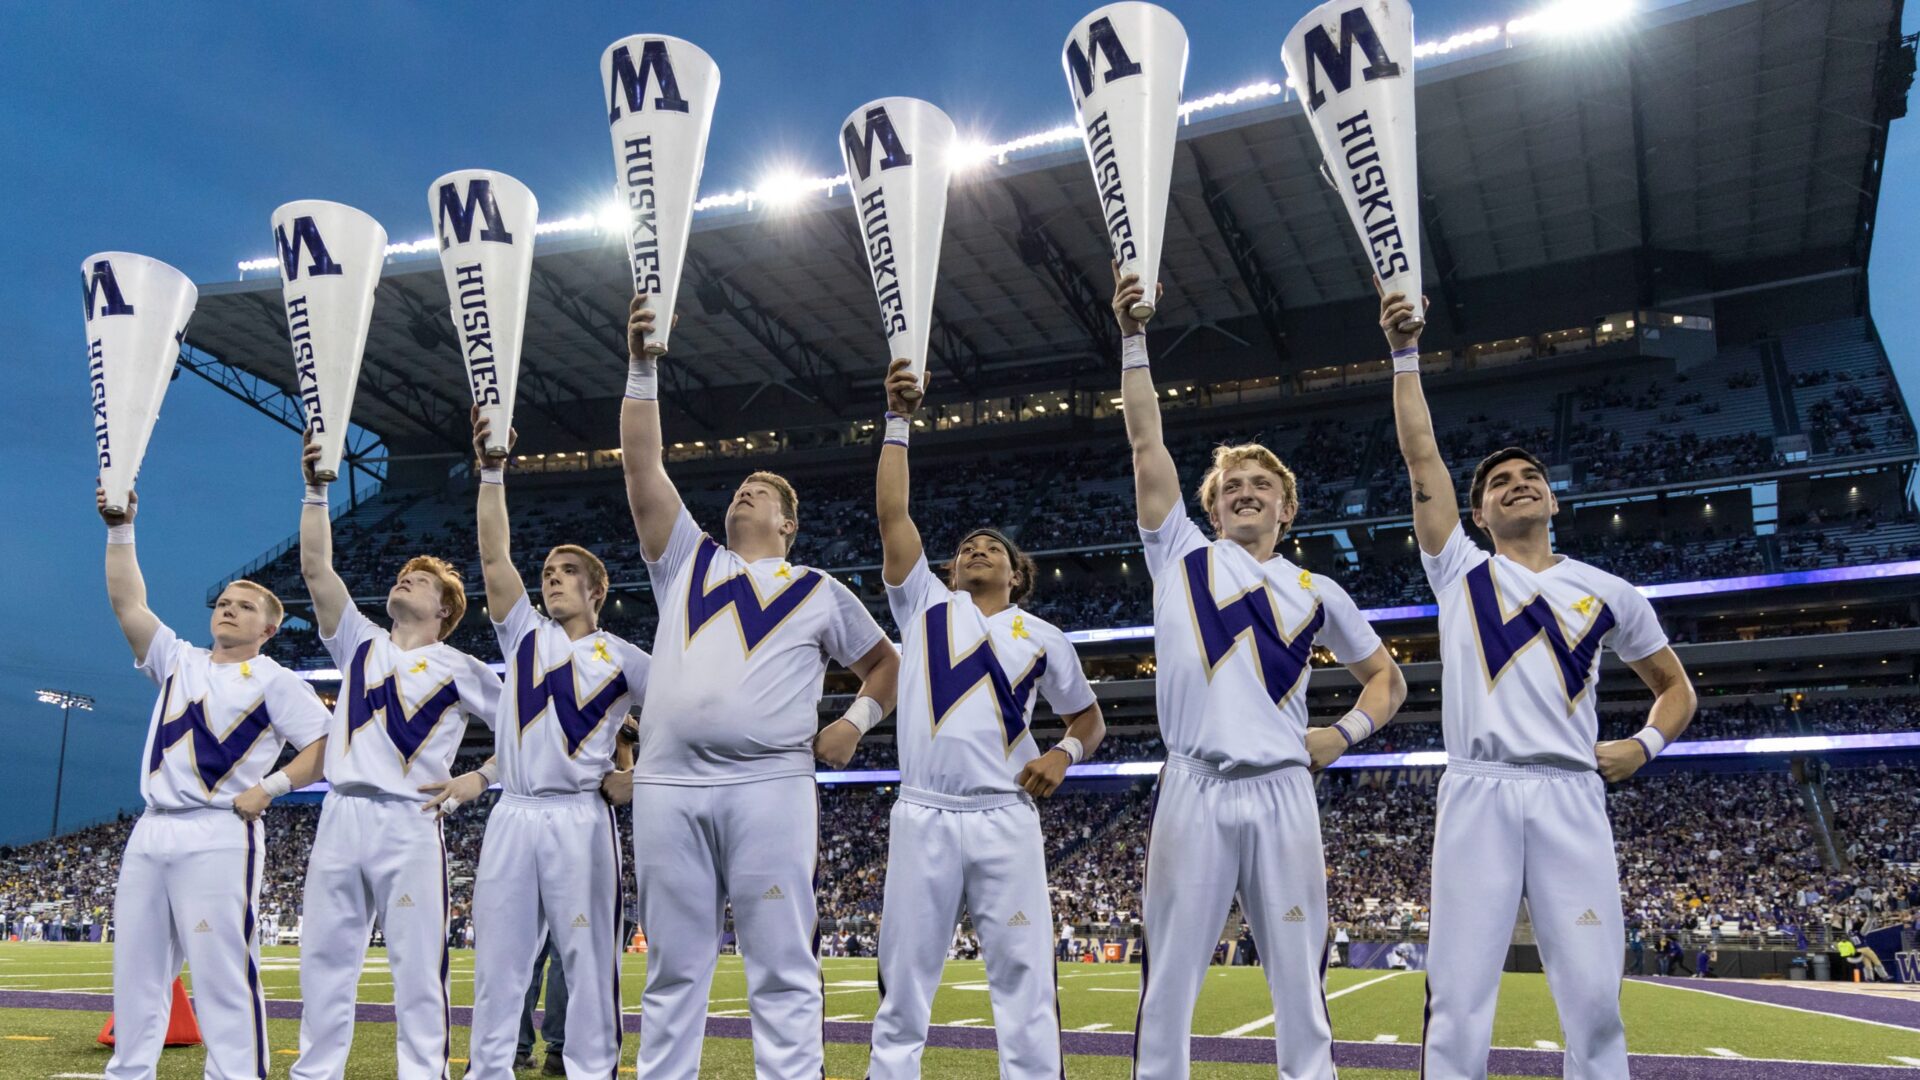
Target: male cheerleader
point(550, 860)
point(1234, 625)
point(1522, 806)
point(723, 775)
point(405, 697)
point(189, 884)
point(964, 830)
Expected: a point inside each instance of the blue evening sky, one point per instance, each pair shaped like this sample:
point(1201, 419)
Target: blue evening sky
point(174, 130)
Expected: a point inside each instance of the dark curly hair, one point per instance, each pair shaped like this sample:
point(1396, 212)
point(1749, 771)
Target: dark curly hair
point(1025, 571)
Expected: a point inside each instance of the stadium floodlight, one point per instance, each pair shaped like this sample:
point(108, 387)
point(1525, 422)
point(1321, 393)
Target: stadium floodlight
point(67, 701)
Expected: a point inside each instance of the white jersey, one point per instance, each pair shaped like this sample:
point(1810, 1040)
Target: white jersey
point(562, 704)
point(740, 656)
point(1501, 698)
point(1233, 639)
point(401, 713)
point(967, 687)
point(218, 728)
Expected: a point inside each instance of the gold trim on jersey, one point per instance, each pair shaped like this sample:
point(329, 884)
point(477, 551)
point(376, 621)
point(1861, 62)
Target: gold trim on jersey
point(1244, 637)
point(986, 641)
point(1500, 598)
point(512, 686)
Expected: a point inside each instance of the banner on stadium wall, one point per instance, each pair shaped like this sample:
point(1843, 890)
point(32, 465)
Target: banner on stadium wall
point(1126, 64)
point(1351, 62)
point(899, 155)
point(330, 258)
point(660, 92)
point(136, 320)
point(484, 222)
point(1388, 955)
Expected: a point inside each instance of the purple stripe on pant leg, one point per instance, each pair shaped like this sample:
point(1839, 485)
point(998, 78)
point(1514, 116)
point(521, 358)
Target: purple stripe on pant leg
point(446, 958)
point(253, 974)
point(1153, 807)
point(619, 931)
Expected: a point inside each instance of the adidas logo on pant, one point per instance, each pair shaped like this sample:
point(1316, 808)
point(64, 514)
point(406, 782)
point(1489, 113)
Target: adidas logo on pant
point(203, 928)
point(1294, 914)
point(1019, 919)
point(773, 894)
point(579, 922)
point(1587, 918)
point(406, 900)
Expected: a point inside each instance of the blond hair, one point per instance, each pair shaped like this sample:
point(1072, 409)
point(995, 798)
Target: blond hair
point(276, 611)
point(453, 591)
point(789, 501)
point(596, 570)
point(1230, 457)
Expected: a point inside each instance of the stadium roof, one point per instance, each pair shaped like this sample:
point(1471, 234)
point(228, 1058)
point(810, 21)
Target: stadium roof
point(1745, 133)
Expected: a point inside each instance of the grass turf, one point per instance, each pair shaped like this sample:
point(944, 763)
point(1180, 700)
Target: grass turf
point(1365, 1006)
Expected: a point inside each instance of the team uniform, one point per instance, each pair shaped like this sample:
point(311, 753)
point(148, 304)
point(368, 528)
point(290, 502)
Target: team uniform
point(963, 833)
point(550, 860)
point(723, 777)
point(1522, 806)
point(189, 884)
point(1234, 809)
point(397, 725)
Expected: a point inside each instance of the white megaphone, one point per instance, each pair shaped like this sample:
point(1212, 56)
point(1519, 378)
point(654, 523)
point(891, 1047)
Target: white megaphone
point(660, 93)
point(137, 312)
point(899, 154)
point(330, 259)
point(484, 222)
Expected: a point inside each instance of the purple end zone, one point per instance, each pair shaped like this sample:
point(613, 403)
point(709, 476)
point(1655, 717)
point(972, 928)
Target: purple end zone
point(1246, 1051)
point(1880, 1009)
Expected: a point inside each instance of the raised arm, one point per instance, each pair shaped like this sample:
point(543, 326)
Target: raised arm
point(1156, 484)
point(899, 537)
point(504, 587)
point(328, 592)
point(126, 589)
point(651, 496)
point(1436, 506)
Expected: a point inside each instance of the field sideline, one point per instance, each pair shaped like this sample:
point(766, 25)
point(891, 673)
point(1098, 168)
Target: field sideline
point(1376, 1019)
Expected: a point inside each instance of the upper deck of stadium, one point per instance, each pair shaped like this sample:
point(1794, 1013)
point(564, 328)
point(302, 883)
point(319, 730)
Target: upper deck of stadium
point(1714, 159)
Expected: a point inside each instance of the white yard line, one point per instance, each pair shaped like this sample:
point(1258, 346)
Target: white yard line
point(1773, 1004)
point(846, 1016)
point(1267, 1020)
point(969, 1021)
point(1388, 1037)
point(1905, 1060)
point(1112, 989)
point(1721, 1051)
point(1545, 1044)
point(1094, 1027)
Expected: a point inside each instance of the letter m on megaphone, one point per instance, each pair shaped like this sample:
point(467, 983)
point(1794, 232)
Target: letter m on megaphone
point(631, 82)
point(1101, 42)
point(307, 234)
point(1337, 62)
point(459, 213)
point(98, 284)
point(879, 129)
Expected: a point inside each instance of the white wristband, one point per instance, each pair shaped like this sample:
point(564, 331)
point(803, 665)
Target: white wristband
point(1354, 726)
point(495, 475)
point(1076, 752)
point(1133, 352)
point(490, 770)
point(898, 428)
point(865, 714)
point(120, 534)
point(1651, 740)
point(277, 784)
point(1406, 361)
point(643, 378)
point(316, 495)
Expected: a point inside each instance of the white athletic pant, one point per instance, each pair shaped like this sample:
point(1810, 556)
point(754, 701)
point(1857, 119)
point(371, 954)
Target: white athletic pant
point(1506, 832)
point(548, 865)
point(189, 890)
point(695, 847)
point(1215, 833)
point(985, 853)
point(375, 857)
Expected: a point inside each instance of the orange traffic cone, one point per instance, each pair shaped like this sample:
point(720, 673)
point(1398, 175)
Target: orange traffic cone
point(182, 1028)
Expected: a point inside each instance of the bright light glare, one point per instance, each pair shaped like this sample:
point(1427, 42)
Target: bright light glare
point(969, 153)
point(1572, 17)
point(613, 217)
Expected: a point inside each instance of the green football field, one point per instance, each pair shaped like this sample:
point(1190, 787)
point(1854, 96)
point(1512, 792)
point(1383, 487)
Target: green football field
point(1367, 1007)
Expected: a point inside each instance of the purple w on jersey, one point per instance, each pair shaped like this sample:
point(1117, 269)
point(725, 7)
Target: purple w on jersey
point(1282, 658)
point(949, 680)
point(1502, 638)
point(737, 592)
point(408, 730)
point(214, 757)
point(577, 719)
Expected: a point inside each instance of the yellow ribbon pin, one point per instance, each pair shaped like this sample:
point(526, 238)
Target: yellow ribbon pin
point(1584, 605)
point(246, 670)
point(785, 573)
point(600, 652)
point(1020, 627)
point(1306, 579)
point(419, 666)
